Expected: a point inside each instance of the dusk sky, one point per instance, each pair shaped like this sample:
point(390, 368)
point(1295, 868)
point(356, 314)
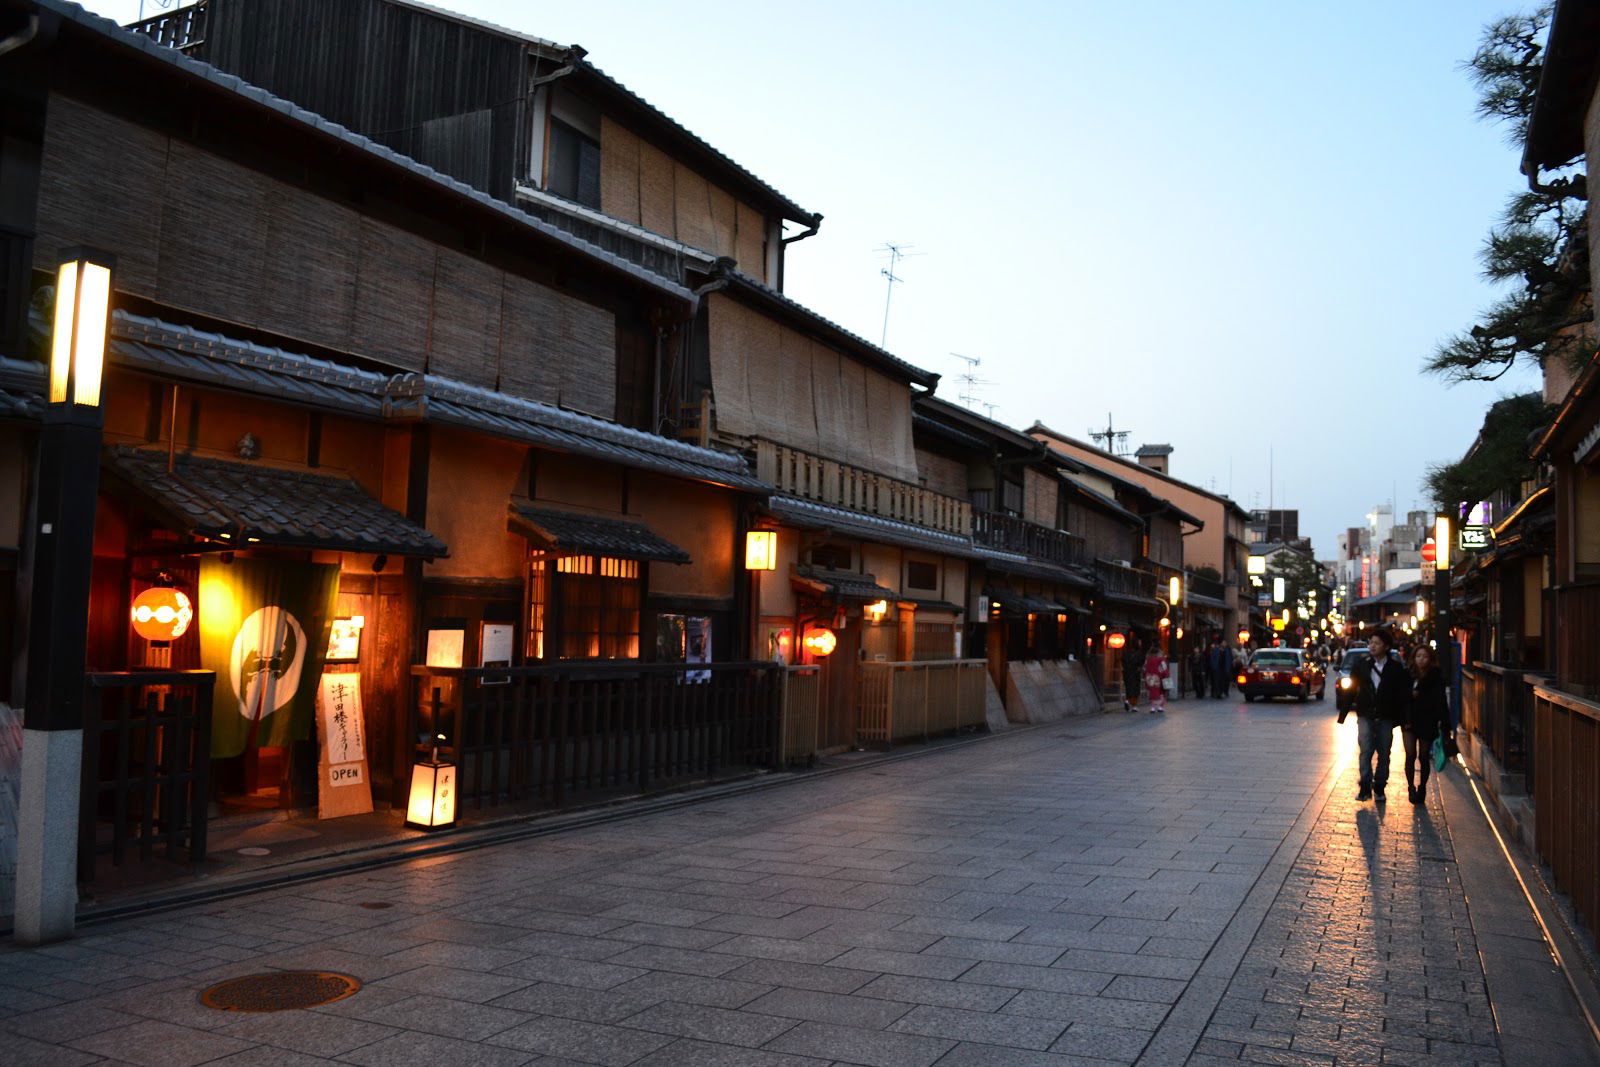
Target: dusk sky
point(1238, 228)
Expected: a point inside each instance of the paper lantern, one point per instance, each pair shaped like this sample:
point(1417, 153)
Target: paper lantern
point(433, 795)
point(821, 642)
point(161, 614)
point(1116, 641)
point(761, 550)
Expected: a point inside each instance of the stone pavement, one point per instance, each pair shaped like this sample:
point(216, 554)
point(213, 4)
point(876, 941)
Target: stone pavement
point(1123, 889)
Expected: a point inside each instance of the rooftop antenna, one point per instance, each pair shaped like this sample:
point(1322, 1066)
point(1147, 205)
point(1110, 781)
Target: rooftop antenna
point(969, 381)
point(896, 254)
point(1111, 439)
point(989, 406)
point(160, 4)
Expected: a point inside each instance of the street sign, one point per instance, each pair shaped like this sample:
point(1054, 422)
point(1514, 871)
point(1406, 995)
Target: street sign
point(1474, 537)
point(1263, 600)
point(1430, 572)
point(1429, 553)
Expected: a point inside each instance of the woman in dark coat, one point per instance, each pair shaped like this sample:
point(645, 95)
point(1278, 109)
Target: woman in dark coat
point(1430, 711)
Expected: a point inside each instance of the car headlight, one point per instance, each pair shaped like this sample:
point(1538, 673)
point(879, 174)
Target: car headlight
point(1345, 683)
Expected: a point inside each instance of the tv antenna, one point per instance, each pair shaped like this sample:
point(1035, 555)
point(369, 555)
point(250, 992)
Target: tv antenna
point(1111, 439)
point(160, 4)
point(896, 253)
point(970, 381)
point(989, 406)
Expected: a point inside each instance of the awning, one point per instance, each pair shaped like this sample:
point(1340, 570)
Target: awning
point(1022, 567)
point(247, 504)
point(930, 604)
point(843, 586)
point(1014, 603)
point(569, 533)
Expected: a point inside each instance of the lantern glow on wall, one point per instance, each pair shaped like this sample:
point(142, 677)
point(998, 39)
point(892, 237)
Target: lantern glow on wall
point(161, 614)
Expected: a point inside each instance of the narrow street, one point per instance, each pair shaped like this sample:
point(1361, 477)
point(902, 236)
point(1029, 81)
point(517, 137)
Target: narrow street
point(1196, 887)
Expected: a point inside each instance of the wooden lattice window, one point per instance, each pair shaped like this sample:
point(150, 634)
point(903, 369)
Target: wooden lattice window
point(584, 607)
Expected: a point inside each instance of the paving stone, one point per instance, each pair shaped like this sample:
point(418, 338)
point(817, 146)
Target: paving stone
point(979, 1026)
point(852, 1045)
point(829, 1008)
point(431, 1050)
point(157, 1044)
point(930, 991)
point(720, 1025)
point(589, 1042)
point(692, 989)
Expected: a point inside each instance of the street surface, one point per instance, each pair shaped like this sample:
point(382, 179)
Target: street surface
point(1196, 887)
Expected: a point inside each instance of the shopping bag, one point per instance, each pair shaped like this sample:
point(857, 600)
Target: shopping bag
point(1439, 758)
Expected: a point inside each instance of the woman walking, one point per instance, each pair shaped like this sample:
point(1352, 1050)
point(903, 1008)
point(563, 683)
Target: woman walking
point(1155, 677)
point(1429, 712)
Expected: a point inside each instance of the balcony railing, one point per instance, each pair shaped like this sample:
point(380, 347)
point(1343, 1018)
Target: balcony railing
point(1011, 534)
point(840, 485)
point(1201, 585)
point(1124, 581)
point(183, 28)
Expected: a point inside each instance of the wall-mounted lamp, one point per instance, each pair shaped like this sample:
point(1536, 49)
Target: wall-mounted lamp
point(877, 610)
point(1175, 590)
point(761, 550)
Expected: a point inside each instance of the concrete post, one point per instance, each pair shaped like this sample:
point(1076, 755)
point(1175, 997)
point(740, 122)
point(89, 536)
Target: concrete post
point(47, 836)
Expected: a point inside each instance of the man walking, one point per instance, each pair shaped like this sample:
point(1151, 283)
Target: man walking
point(1383, 696)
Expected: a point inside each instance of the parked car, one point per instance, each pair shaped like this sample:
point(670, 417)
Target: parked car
point(1281, 672)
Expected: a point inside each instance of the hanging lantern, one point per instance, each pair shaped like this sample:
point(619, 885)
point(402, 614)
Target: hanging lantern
point(161, 614)
point(1116, 641)
point(761, 550)
point(821, 642)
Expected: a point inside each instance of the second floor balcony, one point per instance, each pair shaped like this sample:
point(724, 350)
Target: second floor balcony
point(825, 481)
point(1012, 534)
point(1118, 579)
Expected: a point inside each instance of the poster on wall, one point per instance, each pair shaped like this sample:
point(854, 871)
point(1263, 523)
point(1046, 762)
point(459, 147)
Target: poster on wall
point(494, 650)
point(697, 646)
point(344, 786)
point(264, 629)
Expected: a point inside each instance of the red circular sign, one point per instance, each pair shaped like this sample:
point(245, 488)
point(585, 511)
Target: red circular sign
point(1428, 551)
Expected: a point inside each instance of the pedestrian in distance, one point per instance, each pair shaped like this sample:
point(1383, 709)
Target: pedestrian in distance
point(1428, 717)
point(1383, 701)
point(1197, 672)
point(1132, 661)
point(1155, 678)
point(1221, 671)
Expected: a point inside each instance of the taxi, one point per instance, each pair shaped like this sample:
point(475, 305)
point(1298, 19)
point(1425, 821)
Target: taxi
point(1281, 672)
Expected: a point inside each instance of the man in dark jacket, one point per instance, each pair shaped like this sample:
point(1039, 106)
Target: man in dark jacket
point(1383, 696)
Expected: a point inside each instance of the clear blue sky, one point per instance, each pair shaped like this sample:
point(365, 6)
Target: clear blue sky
point(1238, 227)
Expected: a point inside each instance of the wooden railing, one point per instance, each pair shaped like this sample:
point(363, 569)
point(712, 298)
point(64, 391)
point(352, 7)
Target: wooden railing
point(1494, 707)
point(1566, 796)
point(840, 485)
point(543, 733)
point(1125, 581)
point(1577, 621)
point(1202, 585)
point(899, 701)
point(183, 28)
point(802, 691)
point(146, 766)
point(1011, 534)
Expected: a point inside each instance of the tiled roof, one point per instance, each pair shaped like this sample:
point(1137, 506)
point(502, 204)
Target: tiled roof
point(594, 535)
point(811, 515)
point(206, 358)
point(1023, 567)
point(247, 503)
point(844, 585)
point(22, 385)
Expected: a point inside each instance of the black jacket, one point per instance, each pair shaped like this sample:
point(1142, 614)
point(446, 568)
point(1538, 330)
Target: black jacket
point(1430, 708)
point(1389, 698)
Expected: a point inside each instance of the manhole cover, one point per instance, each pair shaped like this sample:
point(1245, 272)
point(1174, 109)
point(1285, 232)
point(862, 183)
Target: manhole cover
point(279, 991)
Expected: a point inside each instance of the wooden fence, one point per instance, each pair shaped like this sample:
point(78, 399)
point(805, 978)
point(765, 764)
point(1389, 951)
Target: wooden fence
point(1577, 617)
point(1494, 707)
point(899, 701)
point(1566, 795)
point(802, 693)
point(146, 766)
point(543, 733)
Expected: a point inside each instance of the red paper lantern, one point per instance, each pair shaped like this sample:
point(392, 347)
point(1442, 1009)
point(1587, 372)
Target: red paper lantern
point(1116, 641)
point(821, 642)
point(162, 614)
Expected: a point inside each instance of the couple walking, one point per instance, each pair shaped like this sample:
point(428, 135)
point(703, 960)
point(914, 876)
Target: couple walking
point(1150, 669)
point(1388, 694)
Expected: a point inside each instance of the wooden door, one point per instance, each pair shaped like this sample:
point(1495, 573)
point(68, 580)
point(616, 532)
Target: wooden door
point(837, 715)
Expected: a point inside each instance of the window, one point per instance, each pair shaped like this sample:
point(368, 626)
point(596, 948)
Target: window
point(584, 607)
point(1011, 497)
point(921, 574)
point(833, 557)
point(574, 165)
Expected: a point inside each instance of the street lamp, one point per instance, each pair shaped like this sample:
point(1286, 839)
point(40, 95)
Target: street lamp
point(58, 614)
